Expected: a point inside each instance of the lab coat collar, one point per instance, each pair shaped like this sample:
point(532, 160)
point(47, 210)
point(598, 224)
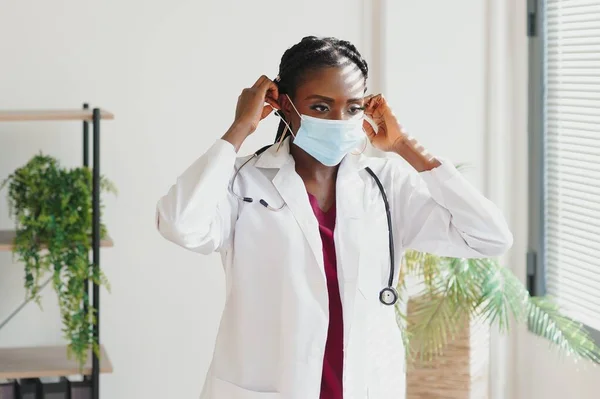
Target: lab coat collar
point(275, 156)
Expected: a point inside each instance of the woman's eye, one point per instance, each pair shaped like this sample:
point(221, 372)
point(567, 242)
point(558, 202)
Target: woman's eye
point(320, 108)
point(356, 110)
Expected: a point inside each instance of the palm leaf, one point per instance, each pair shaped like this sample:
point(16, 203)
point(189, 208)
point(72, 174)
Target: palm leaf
point(413, 262)
point(423, 265)
point(434, 320)
point(502, 296)
point(443, 307)
point(465, 288)
point(402, 322)
point(545, 320)
point(457, 290)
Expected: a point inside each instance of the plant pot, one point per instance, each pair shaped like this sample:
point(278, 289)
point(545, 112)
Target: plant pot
point(9, 390)
point(461, 372)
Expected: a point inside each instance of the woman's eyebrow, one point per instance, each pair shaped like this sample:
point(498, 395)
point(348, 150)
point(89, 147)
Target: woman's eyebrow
point(331, 100)
point(320, 97)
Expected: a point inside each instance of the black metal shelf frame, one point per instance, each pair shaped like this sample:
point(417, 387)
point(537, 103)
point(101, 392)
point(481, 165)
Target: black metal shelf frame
point(95, 377)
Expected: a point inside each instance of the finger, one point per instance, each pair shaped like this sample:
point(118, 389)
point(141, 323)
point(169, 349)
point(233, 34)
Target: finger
point(272, 96)
point(267, 109)
point(369, 101)
point(372, 103)
point(259, 81)
point(266, 85)
point(369, 130)
point(271, 93)
point(272, 102)
point(380, 106)
point(374, 98)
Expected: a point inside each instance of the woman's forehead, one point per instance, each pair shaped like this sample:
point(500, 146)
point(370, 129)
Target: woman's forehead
point(344, 82)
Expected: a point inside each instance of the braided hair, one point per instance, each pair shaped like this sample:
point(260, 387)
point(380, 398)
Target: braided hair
point(310, 54)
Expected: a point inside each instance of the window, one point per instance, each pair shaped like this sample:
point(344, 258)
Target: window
point(564, 131)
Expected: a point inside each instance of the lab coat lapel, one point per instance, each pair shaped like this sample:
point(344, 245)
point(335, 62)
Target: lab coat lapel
point(350, 189)
point(350, 194)
point(293, 191)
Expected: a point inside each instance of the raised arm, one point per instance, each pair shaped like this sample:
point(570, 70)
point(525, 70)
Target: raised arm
point(198, 212)
point(436, 209)
point(441, 213)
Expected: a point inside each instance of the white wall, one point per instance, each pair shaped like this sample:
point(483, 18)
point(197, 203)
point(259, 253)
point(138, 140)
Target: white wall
point(434, 64)
point(171, 71)
point(544, 375)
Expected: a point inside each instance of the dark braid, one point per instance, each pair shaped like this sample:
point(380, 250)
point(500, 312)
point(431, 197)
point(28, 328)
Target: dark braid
point(310, 54)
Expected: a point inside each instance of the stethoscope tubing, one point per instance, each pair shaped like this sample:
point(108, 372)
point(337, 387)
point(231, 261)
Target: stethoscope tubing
point(389, 290)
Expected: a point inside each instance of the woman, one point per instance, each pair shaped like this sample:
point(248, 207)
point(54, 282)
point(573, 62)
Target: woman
point(302, 231)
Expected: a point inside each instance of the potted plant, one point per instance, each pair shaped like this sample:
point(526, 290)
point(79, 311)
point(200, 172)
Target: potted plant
point(457, 295)
point(52, 210)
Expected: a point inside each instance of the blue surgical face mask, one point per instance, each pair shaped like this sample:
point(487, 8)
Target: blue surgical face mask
point(328, 141)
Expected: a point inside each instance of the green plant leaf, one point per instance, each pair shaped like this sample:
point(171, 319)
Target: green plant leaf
point(442, 308)
point(502, 295)
point(456, 291)
point(545, 320)
point(52, 210)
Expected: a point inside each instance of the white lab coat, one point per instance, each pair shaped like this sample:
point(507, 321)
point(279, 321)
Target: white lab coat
point(271, 339)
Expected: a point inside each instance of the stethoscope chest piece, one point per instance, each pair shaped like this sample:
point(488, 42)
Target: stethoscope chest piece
point(388, 296)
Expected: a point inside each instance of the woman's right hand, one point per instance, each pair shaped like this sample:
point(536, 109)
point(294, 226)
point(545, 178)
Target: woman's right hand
point(251, 109)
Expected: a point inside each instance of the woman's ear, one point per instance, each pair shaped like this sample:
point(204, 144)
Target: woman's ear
point(286, 105)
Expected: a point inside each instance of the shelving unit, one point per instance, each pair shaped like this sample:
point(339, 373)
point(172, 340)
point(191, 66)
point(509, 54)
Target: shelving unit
point(37, 362)
point(45, 361)
point(7, 238)
point(84, 114)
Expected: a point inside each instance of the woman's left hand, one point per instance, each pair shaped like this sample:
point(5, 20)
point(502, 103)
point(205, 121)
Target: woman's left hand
point(390, 135)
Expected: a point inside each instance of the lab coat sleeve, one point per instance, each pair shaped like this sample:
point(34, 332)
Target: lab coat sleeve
point(443, 214)
point(198, 212)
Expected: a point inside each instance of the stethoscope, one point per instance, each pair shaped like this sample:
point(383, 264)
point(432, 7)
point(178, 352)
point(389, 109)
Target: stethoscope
point(388, 295)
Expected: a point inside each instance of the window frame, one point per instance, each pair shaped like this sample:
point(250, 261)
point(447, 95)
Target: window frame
point(536, 265)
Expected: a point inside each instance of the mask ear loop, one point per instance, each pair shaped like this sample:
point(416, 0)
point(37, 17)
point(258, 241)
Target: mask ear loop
point(364, 147)
point(287, 126)
point(369, 120)
point(295, 109)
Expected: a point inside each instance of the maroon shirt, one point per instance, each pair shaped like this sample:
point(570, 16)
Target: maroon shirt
point(333, 361)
